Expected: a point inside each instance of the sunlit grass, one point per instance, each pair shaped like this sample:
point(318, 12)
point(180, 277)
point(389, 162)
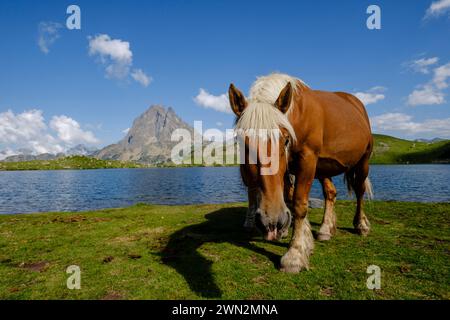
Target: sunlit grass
point(195, 252)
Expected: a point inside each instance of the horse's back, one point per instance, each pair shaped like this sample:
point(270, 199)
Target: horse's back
point(346, 133)
point(356, 103)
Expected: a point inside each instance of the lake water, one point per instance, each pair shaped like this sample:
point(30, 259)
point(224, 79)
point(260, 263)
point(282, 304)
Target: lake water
point(76, 190)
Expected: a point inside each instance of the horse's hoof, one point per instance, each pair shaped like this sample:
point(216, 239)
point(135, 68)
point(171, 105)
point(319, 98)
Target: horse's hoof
point(326, 232)
point(323, 236)
point(362, 231)
point(293, 262)
point(290, 269)
point(362, 227)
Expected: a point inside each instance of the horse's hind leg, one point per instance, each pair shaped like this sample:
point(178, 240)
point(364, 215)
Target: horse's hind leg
point(360, 222)
point(328, 227)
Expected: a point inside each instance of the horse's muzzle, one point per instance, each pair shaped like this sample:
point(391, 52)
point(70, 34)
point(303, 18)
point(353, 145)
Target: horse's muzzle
point(272, 234)
point(274, 231)
point(283, 225)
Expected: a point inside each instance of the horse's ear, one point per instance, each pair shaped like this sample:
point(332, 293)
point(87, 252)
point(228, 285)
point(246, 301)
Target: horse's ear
point(237, 100)
point(284, 99)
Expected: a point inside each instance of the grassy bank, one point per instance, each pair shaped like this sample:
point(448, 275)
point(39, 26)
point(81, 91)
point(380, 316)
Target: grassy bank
point(390, 150)
point(66, 163)
point(178, 252)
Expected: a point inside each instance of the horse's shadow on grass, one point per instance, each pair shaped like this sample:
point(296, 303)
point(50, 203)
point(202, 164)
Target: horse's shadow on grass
point(181, 251)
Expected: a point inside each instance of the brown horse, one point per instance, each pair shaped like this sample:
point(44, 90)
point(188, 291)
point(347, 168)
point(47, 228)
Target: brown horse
point(320, 135)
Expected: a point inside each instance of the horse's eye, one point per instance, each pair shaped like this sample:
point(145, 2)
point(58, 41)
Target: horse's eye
point(286, 142)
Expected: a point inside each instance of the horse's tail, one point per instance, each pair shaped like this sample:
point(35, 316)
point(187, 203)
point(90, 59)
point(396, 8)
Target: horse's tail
point(349, 179)
point(369, 189)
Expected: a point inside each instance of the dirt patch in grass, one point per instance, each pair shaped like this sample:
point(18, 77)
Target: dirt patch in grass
point(113, 296)
point(126, 239)
point(327, 291)
point(262, 279)
point(70, 219)
point(108, 259)
point(134, 256)
point(39, 266)
point(150, 231)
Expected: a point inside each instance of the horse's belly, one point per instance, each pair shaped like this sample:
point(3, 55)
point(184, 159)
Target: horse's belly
point(329, 167)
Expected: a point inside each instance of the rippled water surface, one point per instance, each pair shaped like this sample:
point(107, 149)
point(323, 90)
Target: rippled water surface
point(76, 190)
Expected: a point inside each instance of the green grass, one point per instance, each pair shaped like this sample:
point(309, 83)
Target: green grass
point(390, 150)
point(72, 162)
point(201, 251)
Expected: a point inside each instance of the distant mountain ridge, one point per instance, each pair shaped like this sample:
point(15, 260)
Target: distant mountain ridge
point(430, 140)
point(149, 138)
point(148, 141)
point(27, 155)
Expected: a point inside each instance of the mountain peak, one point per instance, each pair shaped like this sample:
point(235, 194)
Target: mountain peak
point(155, 108)
point(149, 139)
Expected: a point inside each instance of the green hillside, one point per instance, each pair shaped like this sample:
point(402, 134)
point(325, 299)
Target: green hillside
point(72, 162)
point(390, 150)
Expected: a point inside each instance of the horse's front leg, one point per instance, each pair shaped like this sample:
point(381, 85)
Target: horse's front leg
point(249, 223)
point(302, 242)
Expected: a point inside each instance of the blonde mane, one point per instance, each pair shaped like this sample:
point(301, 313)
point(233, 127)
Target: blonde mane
point(261, 115)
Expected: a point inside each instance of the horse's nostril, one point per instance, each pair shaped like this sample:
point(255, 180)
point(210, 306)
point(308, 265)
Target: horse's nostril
point(284, 220)
point(272, 227)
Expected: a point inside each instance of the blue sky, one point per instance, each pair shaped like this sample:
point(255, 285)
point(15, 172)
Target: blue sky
point(81, 85)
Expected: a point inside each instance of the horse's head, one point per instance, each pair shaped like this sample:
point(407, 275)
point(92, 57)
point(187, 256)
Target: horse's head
point(265, 138)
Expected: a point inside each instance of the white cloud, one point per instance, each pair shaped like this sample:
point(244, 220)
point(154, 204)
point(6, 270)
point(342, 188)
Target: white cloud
point(404, 124)
point(441, 74)
point(48, 33)
point(115, 53)
point(117, 56)
point(432, 93)
point(116, 49)
point(7, 153)
point(422, 65)
point(219, 124)
point(371, 96)
point(437, 8)
point(139, 76)
point(125, 131)
point(70, 132)
point(28, 130)
point(209, 101)
point(426, 95)
point(26, 125)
